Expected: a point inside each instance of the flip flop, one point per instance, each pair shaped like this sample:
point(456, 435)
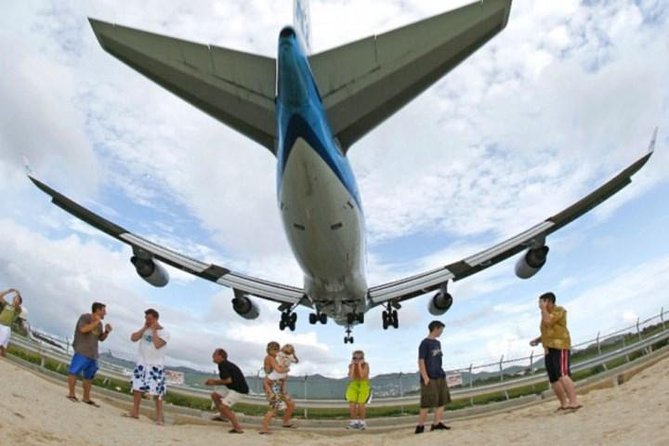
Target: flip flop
point(560, 409)
point(218, 418)
point(289, 426)
point(92, 403)
point(127, 415)
point(574, 408)
point(235, 431)
point(74, 399)
point(264, 432)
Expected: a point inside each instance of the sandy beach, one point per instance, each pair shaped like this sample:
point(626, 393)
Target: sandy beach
point(34, 411)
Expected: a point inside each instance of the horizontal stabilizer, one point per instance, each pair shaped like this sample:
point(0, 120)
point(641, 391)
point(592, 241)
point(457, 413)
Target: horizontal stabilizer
point(365, 82)
point(234, 87)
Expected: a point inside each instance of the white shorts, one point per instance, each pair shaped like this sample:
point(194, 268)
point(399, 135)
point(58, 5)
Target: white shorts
point(5, 334)
point(231, 398)
point(147, 378)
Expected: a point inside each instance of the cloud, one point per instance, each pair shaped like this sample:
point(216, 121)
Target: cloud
point(562, 99)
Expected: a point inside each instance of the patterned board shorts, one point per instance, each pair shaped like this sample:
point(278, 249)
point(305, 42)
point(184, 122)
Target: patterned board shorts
point(149, 379)
point(277, 399)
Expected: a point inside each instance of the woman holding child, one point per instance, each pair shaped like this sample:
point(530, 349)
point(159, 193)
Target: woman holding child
point(276, 365)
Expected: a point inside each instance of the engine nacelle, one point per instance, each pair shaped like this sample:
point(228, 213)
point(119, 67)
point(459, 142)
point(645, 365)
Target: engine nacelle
point(151, 271)
point(244, 306)
point(531, 262)
point(440, 303)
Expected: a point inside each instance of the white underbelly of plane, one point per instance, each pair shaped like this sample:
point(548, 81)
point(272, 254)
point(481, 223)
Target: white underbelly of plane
point(325, 229)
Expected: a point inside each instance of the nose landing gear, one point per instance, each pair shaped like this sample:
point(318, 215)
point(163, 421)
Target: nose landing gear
point(348, 338)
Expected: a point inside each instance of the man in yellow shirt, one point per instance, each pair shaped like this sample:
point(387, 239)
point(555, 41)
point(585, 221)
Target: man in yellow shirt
point(556, 341)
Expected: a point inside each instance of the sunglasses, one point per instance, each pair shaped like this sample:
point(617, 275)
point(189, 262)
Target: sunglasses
point(357, 357)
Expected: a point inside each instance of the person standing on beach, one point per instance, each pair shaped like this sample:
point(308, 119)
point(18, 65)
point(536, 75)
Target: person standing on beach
point(10, 313)
point(358, 390)
point(233, 378)
point(276, 395)
point(557, 342)
point(148, 375)
point(87, 334)
point(434, 392)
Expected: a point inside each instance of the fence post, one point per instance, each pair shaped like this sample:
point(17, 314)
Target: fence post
point(471, 383)
point(532, 362)
point(258, 385)
point(638, 331)
point(501, 375)
point(627, 356)
point(401, 393)
point(662, 317)
point(306, 409)
point(599, 347)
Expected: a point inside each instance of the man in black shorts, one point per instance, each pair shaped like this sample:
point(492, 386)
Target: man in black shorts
point(557, 342)
point(233, 379)
point(434, 392)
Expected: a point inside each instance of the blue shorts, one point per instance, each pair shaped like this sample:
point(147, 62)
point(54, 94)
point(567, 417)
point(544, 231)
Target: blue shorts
point(83, 364)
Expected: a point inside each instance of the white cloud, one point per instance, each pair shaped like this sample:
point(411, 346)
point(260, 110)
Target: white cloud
point(566, 96)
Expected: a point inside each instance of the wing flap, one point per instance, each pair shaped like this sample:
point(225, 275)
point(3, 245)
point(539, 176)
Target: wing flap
point(365, 82)
point(234, 87)
point(264, 289)
point(419, 284)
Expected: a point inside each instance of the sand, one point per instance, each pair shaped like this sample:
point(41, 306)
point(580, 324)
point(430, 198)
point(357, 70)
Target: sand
point(34, 411)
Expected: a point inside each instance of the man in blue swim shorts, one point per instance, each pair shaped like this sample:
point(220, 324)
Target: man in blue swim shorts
point(87, 334)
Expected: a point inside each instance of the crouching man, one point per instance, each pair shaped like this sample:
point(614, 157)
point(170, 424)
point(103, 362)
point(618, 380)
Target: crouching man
point(233, 378)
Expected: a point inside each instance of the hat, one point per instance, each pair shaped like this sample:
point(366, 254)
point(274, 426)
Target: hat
point(435, 324)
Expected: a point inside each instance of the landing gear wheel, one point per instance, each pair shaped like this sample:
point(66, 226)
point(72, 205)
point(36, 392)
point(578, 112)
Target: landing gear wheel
point(291, 318)
point(313, 318)
point(389, 316)
point(288, 319)
point(323, 318)
point(348, 338)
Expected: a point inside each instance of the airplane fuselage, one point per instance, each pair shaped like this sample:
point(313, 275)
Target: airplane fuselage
point(317, 194)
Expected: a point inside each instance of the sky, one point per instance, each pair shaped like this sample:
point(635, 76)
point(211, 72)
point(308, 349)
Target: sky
point(559, 102)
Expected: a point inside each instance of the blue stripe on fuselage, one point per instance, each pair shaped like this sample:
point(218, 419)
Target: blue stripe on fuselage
point(300, 114)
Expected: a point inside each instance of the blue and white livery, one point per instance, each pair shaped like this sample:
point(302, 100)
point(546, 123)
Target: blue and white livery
point(308, 110)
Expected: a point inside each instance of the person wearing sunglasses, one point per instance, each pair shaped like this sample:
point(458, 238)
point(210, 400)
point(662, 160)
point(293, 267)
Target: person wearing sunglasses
point(358, 391)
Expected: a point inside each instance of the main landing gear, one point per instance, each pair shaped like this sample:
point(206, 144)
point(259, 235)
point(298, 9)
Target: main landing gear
point(318, 317)
point(288, 318)
point(389, 315)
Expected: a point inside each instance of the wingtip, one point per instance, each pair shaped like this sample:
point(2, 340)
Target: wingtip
point(26, 166)
point(651, 146)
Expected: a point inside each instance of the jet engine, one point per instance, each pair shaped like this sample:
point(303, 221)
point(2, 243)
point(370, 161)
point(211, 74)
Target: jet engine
point(244, 306)
point(531, 262)
point(440, 303)
point(151, 271)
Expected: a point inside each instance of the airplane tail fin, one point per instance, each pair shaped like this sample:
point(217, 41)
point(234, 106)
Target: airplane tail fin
point(302, 22)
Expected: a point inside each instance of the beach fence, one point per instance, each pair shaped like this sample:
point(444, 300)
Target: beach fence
point(493, 381)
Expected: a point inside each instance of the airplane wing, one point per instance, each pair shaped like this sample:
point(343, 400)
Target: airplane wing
point(234, 87)
point(365, 82)
point(419, 284)
point(276, 292)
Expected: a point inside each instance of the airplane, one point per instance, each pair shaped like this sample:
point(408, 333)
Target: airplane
point(308, 110)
